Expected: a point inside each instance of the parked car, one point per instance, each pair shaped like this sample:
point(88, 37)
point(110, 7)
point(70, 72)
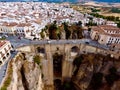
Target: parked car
point(6, 36)
point(86, 42)
point(49, 42)
point(19, 38)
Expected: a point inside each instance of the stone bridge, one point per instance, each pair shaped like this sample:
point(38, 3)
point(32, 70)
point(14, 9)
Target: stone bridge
point(68, 51)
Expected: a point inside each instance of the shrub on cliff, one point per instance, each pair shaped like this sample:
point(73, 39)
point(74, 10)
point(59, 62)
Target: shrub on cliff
point(37, 59)
point(3, 88)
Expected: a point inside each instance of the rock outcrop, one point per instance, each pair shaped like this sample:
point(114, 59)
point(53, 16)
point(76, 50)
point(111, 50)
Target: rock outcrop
point(98, 72)
point(26, 74)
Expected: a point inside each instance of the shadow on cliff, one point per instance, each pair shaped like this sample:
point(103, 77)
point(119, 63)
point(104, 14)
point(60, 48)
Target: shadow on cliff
point(24, 81)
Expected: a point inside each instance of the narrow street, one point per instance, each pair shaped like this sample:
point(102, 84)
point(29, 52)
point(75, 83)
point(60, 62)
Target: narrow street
point(3, 68)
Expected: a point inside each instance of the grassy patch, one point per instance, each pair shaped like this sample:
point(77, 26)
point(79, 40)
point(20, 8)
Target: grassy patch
point(3, 38)
point(3, 88)
point(8, 78)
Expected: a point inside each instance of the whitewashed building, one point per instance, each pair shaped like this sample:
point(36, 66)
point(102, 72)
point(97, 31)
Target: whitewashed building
point(106, 34)
point(111, 23)
point(5, 48)
point(8, 28)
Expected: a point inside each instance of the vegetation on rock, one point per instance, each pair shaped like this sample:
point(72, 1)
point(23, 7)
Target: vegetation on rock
point(8, 78)
point(71, 31)
point(37, 59)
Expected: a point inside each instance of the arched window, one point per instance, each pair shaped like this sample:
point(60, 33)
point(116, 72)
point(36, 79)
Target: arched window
point(7, 54)
point(4, 58)
point(0, 62)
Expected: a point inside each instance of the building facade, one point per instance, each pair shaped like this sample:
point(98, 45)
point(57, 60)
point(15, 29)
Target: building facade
point(106, 34)
point(5, 48)
point(8, 28)
point(20, 30)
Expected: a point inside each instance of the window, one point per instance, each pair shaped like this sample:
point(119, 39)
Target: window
point(0, 62)
point(7, 54)
point(4, 58)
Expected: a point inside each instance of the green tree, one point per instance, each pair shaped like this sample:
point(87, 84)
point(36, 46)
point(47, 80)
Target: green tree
point(118, 24)
point(53, 30)
point(67, 31)
point(37, 59)
point(80, 23)
point(117, 18)
point(3, 38)
point(42, 34)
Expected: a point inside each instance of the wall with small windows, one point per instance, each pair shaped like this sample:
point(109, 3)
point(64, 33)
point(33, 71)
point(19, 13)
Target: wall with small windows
point(103, 39)
point(5, 48)
point(20, 31)
point(7, 30)
point(106, 35)
point(113, 40)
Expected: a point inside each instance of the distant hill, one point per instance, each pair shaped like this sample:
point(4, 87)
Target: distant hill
point(72, 1)
point(109, 1)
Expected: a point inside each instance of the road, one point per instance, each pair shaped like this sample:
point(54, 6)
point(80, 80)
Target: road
point(3, 68)
point(21, 42)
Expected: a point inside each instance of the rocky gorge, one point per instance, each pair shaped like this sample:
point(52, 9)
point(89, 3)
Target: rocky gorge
point(22, 74)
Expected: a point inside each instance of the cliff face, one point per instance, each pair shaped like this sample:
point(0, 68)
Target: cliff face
point(26, 74)
point(98, 72)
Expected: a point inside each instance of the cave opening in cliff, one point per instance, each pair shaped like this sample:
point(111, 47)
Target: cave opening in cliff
point(67, 84)
point(75, 49)
point(40, 50)
point(57, 65)
point(57, 84)
point(24, 81)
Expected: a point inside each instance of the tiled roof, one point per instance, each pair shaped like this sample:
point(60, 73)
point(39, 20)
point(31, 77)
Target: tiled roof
point(2, 43)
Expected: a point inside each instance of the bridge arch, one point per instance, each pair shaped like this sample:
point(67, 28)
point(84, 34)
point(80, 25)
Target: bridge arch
point(40, 50)
point(57, 64)
point(75, 49)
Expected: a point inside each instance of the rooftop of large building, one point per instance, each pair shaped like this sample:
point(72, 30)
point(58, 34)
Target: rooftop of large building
point(107, 30)
point(106, 27)
point(109, 27)
point(2, 43)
